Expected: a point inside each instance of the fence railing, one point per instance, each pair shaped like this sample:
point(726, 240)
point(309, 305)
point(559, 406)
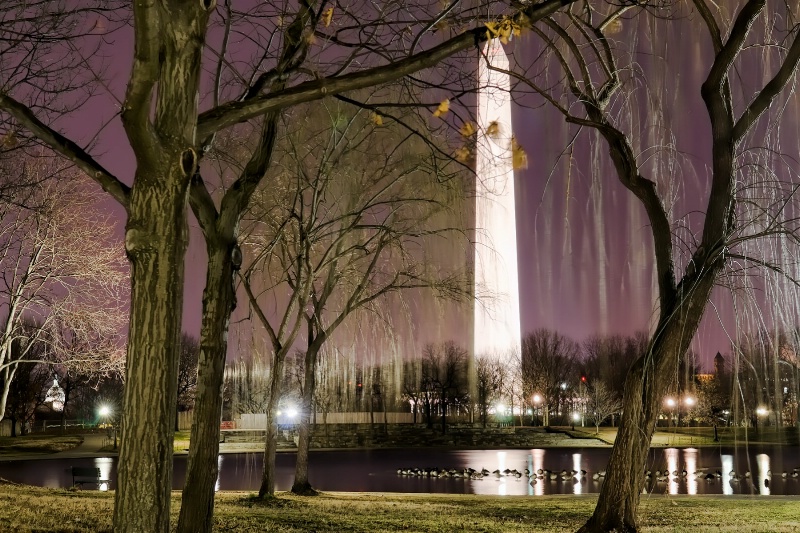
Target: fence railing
point(259, 420)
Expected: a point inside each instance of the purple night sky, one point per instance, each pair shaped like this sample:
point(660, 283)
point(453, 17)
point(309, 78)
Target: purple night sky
point(584, 246)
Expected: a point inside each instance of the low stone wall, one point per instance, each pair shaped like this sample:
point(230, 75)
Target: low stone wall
point(408, 435)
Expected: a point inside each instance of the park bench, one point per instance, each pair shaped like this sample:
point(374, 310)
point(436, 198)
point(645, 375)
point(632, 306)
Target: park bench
point(82, 474)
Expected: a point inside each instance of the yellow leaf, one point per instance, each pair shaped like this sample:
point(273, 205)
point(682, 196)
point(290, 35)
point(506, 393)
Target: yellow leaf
point(9, 140)
point(377, 119)
point(462, 154)
point(493, 129)
point(310, 38)
point(444, 107)
point(615, 26)
point(327, 16)
point(494, 29)
point(519, 159)
point(467, 130)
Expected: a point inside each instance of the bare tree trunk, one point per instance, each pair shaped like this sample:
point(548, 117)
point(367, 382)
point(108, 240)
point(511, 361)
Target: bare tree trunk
point(301, 484)
point(219, 299)
point(155, 242)
point(645, 387)
point(325, 423)
point(8, 376)
point(777, 390)
point(267, 489)
point(385, 416)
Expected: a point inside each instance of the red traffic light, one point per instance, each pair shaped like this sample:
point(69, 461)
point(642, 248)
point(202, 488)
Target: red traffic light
point(583, 378)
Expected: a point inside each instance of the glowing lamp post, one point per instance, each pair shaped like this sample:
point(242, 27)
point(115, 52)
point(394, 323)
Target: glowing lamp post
point(670, 402)
point(575, 417)
point(537, 401)
point(104, 412)
point(761, 412)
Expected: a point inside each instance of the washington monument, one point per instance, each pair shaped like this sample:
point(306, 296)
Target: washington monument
point(497, 323)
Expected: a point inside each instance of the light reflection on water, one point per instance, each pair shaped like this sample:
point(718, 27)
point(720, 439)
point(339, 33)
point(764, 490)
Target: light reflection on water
point(577, 487)
point(501, 465)
point(672, 466)
point(219, 469)
point(106, 466)
point(376, 470)
point(690, 455)
point(762, 462)
point(727, 468)
point(537, 456)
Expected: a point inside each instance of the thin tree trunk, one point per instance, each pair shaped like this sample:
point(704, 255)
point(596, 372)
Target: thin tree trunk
point(267, 489)
point(385, 416)
point(219, 299)
point(301, 484)
point(155, 242)
point(8, 376)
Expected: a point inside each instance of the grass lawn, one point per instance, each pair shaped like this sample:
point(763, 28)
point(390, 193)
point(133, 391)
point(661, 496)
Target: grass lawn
point(38, 444)
point(29, 509)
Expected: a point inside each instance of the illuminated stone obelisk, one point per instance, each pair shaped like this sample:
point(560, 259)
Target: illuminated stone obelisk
point(497, 322)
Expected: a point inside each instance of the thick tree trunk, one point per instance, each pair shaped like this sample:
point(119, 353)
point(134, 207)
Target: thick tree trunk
point(267, 488)
point(219, 299)
point(645, 387)
point(301, 484)
point(155, 242)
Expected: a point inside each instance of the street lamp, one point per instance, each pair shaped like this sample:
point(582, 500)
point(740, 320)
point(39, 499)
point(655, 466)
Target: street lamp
point(761, 411)
point(575, 417)
point(104, 412)
point(671, 404)
point(537, 400)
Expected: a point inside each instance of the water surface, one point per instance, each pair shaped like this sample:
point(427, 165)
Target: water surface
point(376, 470)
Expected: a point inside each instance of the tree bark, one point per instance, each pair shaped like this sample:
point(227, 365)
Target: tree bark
point(267, 489)
point(155, 241)
point(301, 484)
point(645, 387)
point(8, 377)
point(219, 299)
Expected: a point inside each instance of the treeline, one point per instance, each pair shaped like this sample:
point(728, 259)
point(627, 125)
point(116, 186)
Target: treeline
point(551, 380)
point(543, 380)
